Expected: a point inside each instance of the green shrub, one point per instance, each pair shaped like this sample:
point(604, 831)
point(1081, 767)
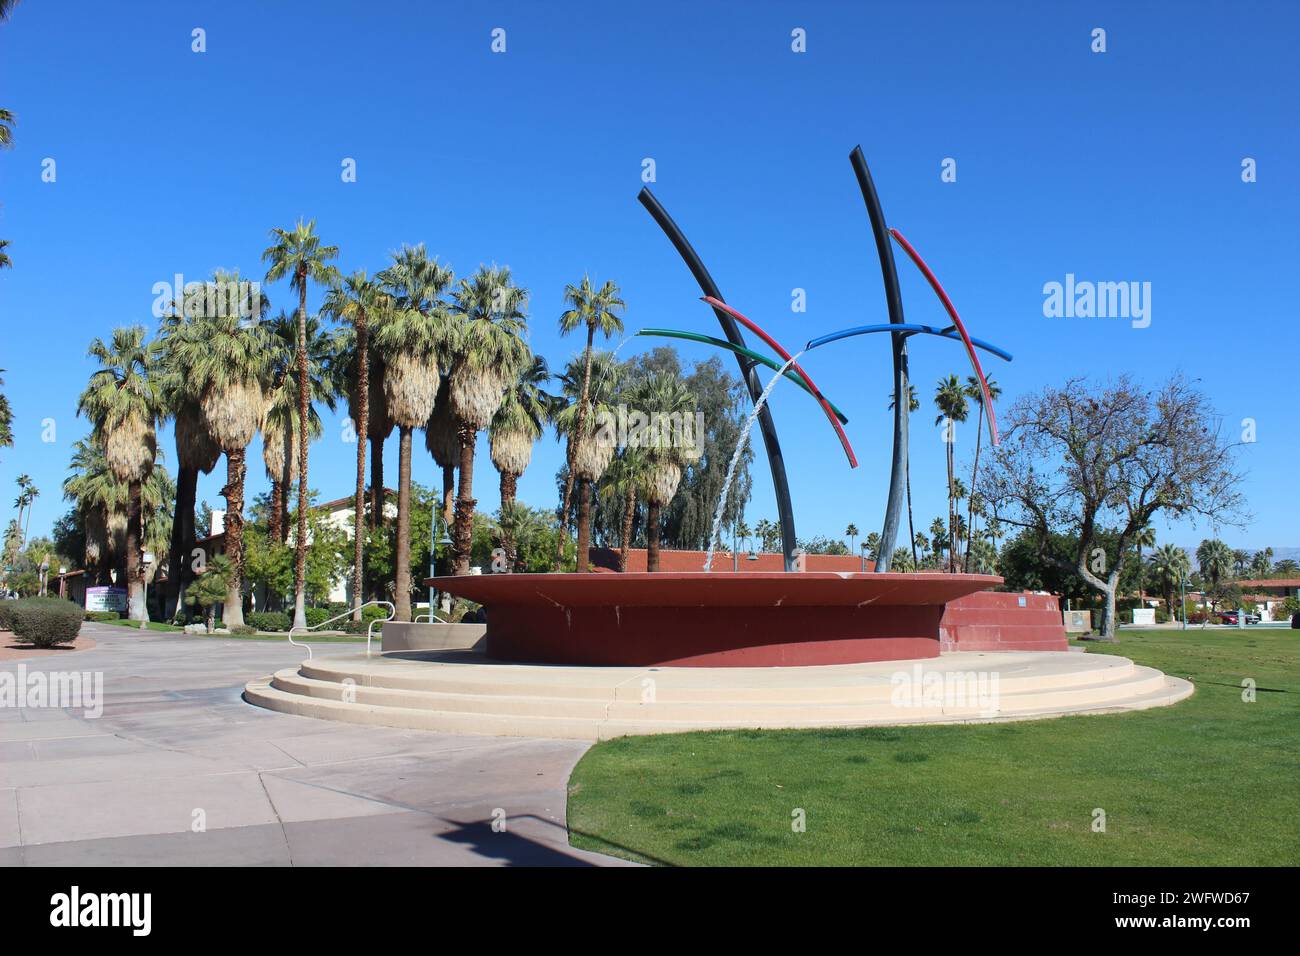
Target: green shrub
point(6, 615)
point(269, 620)
point(45, 622)
point(360, 627)
point(103, 616)
point(374, 612)
point(243, 629)
point(319, 615)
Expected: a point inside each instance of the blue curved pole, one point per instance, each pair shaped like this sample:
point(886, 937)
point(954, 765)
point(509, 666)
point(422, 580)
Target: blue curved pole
point(910, 329)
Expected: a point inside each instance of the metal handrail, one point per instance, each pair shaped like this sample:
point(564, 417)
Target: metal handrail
point(392, 613)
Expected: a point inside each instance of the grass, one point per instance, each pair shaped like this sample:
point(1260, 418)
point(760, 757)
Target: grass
point(259, 636)
point(1210, 781)
point(135, 625)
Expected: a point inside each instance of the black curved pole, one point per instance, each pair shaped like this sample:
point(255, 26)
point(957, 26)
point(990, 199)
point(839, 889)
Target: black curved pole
point(780, 486)
point(894, 298)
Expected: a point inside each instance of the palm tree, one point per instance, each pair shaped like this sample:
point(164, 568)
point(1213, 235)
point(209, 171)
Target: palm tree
point(354, 301)
point(6, 128)
point(1169, 566)
point(622, 482)
point(123, 401)
point(518, 423)
point(913, 404)
point(1145, 538)
point(411, 342)
point(1215, 561)
point(6, 420)
point(667, 395)
point(589, 453)
point(94, 492)
point(976, 394)
point(297, 254)
point(5, 261)
point(229, 362)
point(485, 356)
point(7, 8)
point(197, 452)
point(851, 532)
point(950, 399)
point(595, 310)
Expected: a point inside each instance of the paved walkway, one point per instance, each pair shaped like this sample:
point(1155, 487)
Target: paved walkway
point(179, 770)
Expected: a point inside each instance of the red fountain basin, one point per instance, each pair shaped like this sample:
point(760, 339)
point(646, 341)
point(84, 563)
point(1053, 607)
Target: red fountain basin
point(718, 619)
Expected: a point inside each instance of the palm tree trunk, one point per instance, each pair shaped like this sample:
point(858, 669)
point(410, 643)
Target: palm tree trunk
point(584, 524)
point(376, 481)
point(629, 513)
point(232, 612)
point(134, 565)
point(974, 476)
point(448, 495)
point(275, 521)
point(363, 424)
point(402, 597)
point(182, 543)
point(952, 531)
point(462, 537)
point(300, 545)
point(579, 430)
point(652, 536)
point(509, 485)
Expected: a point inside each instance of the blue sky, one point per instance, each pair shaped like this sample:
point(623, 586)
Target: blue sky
point(1115, 166)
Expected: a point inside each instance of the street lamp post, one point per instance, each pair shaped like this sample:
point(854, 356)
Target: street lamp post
point(1182, 599)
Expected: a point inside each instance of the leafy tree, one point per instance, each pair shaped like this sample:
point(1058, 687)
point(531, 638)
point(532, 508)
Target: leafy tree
point(210, 588)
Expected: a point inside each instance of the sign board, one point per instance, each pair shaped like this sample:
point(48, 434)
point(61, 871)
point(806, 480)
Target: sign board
point(1144, 615)
point(105, 599)
point(1078, 622)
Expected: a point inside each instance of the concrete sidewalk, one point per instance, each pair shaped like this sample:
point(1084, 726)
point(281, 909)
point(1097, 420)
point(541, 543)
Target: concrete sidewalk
point(179, 770)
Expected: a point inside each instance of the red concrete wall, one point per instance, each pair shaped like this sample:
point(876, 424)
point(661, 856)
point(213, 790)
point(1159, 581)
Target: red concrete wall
point(606, 559)
point(996, 621)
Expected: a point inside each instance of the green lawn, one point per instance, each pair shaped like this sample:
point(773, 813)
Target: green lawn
point(1209, 781)
point(259, 636)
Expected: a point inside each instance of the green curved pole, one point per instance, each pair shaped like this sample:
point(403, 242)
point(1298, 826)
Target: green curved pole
point(748, 353)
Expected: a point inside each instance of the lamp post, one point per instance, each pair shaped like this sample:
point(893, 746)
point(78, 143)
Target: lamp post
point(147, 557)
point(1182, 599)
point(864, 557)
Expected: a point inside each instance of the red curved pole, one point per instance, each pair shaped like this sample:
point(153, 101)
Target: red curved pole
point(952, 313)
point(826, 406)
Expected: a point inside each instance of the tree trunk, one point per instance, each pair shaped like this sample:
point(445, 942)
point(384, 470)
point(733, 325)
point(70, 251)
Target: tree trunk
point(448, 496)
point(212, 618)
point(300, 545)
point(584, 524)
point(579, 429)
point(376, 481)
point(463, 536)
point(275, 521)
point(232, 611)
point(402, 595)
point(629, 513)
point(509, 486)
point(363, 424)
point(652, 536)
point(1108, 614)
point(134, 565)
point(974, 476)
point(182, 543)
point(952, 531)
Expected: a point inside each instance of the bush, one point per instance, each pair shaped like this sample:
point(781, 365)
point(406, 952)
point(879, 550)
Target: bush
point(360, 627)
point(269, 620)
point(45, 622)
point(243, 629)
point(103, 616)
point(6, 615)
point(319, 615)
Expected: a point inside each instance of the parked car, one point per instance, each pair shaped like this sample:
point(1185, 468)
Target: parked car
point(1230, 617)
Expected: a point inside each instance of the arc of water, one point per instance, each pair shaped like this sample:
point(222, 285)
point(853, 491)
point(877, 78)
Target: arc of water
point(735, 456)
point(812, 388)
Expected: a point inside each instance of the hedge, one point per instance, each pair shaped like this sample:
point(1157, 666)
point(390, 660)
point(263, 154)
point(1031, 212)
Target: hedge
point(45, 622)
point(7, 615)
point(268, 620)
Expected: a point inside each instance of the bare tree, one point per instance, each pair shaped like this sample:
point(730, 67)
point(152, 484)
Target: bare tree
point(1087, 458)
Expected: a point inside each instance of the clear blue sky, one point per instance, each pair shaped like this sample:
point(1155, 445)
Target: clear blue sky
point(1117, 166)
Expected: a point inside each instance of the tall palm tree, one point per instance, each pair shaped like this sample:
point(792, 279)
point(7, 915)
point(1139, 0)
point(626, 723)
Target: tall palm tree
point(518, 423)
point(596, 310)
point(411, 343)
point(622, 482)
point(486, 353)
point(197, 452)
point(94, 493)
point(976, 394)
point(851, 532)
point(229, 362)
point(1169, 566)
point(913, 404)
point(951, 401)
point(588, 452)
point(442, 441)
point(1215, 561)
point(297, 254)
point(123, 401)
point(668, 395)
point(353, 302)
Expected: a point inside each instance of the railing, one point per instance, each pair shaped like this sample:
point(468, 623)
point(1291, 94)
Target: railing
point(370, 630)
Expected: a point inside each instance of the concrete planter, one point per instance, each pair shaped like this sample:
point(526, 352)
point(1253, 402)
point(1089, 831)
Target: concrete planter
point(403, 636)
